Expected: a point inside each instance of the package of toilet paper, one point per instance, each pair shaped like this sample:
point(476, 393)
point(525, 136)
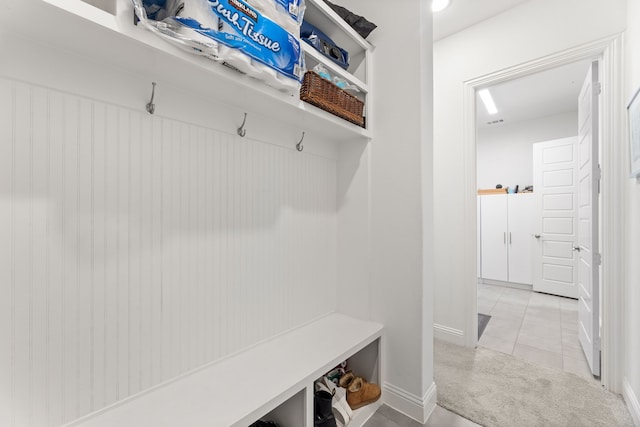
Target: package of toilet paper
point(232, 32)
point(286, 13)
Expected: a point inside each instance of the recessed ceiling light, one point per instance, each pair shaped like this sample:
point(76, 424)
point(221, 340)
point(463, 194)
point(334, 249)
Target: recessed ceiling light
point(487, 99)
point(438, 5)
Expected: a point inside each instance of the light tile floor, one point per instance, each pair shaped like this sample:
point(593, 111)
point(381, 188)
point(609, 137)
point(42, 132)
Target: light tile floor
point(537, 327)
point(440, 417)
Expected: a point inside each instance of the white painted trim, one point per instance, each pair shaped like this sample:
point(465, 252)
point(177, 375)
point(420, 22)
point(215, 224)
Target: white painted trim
point(513, 285)
point(450, 335)
point(609, 51)
point(470, 255)
point(614, 159)
point(632, 401)
point(415, 407)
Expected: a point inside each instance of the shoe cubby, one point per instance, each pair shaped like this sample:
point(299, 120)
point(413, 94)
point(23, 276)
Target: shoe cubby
point(291, 413)
point(363, 362)
point(366, 362)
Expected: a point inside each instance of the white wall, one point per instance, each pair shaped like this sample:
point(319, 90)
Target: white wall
point(401, 199)
point(530, 31)
point(504, 152)
point(135, 248)
point(631, 375)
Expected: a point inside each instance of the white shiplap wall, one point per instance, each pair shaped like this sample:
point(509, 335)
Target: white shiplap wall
point(134, 248)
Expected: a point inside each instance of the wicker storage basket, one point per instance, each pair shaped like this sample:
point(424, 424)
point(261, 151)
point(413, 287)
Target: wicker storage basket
point(323, 94)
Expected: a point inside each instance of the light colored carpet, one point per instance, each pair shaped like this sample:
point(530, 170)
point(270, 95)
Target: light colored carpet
point(497, 389)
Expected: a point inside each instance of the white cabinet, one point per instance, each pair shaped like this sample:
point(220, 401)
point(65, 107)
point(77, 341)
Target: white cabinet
point(493, 235)
point(506, 227)
point(520, 226)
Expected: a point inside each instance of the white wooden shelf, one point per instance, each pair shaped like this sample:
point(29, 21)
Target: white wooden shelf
point(358, 73)
point(316, 57)
point(322, 16)
point(113, 39)
point(270, 380)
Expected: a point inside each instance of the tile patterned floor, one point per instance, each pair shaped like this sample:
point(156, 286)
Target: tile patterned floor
point(440, 417)
point(537, 327)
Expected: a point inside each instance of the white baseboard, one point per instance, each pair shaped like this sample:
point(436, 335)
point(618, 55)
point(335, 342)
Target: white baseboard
point(450, 335)
point(632, 401)
point(415, 407)
point(523, 286)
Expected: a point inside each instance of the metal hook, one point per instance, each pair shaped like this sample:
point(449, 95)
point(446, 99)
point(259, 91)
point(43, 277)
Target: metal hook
point(151, 107)
point(241, 130)
point(299, 145)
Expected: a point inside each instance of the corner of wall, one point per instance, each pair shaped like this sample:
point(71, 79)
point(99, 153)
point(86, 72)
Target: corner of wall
point(631, 400)
point(415, 407)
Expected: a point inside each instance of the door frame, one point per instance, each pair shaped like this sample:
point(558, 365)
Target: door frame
point(609, 51)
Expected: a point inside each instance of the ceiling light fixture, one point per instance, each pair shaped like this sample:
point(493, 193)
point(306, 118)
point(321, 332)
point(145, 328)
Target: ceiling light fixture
point(438, 5)
point(487, 99)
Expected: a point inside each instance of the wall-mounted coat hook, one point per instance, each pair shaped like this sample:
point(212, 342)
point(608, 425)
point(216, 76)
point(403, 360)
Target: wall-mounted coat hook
point(299, 145)
point(241, 130)
point(151, 107)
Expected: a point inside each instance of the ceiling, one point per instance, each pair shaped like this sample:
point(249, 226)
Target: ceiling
point(535, 96)
point(465, 13)
point(539, 95)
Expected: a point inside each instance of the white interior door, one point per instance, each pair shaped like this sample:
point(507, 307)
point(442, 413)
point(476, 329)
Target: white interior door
point(493, 220)
point(555, 186)
point(589, 257)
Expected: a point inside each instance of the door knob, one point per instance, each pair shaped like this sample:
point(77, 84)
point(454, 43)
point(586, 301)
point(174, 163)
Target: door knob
point(537, 236)
point(576, 248)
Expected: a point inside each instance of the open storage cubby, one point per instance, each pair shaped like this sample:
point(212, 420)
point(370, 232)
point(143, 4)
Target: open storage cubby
point(291, 413)
point(365, 363)
point(320, 15)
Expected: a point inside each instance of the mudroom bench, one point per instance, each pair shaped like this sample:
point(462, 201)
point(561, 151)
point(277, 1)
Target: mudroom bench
point(270, 381)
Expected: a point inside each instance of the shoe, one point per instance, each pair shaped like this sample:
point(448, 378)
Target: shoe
point(361, 393)
point(322, 412)
point(346, 379)
point(341, 409)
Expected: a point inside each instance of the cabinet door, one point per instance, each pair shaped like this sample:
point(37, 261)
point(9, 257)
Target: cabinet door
point(520, 237)
point(493, 220)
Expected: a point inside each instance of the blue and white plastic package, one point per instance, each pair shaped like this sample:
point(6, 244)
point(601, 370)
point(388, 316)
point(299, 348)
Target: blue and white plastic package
point(286, 13)
point(229, 31)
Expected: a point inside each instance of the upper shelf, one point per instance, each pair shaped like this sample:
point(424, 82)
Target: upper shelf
point(320, 15)
point(102, 36)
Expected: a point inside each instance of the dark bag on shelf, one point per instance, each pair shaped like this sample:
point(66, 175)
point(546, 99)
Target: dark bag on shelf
point(323, 44)
point(357, 22)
